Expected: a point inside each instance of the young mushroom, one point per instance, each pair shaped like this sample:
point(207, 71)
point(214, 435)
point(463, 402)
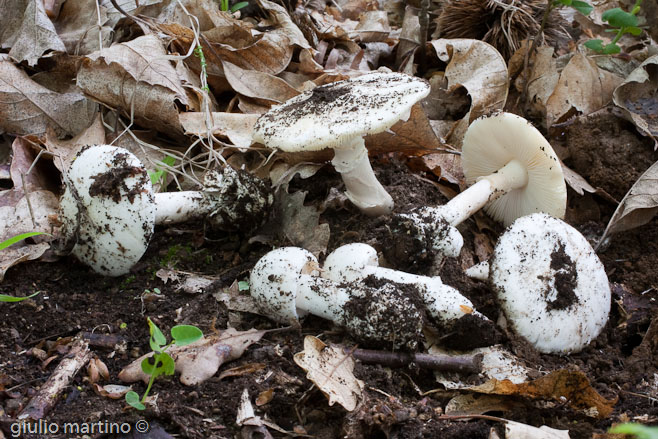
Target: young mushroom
point(286, 285)
point(516, 173)
point(551, 286)
point(108, 210)
point(337, 116)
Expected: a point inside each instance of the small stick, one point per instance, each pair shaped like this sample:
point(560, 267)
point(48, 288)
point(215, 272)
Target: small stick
point(47, 396)
point(446, 363)
point(107, 341)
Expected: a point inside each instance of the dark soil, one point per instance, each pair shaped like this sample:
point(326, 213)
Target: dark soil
point(620, 363)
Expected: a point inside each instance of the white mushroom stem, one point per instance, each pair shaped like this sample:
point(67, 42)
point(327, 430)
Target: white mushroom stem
point(478, 271)
point(178, 207)
point(362, 187)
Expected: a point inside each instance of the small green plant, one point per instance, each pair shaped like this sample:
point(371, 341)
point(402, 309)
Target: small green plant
point(127, 281)
point(161, 363)
point(223, 5)
point(160, 175)
point(11, 241)
point(640, 431)
point(582, 7)
point(621, 22)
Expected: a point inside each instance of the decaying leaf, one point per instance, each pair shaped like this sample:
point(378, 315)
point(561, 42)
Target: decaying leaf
point(77, 25)
point(65, 150)
point(200, 360)
point(638, 97)
point(259, 85)
point(252, 425)
point(36, 35)
point(543, 80)
point(330, 369)
point(234, 299)
point(469, 404)
point(639, 205)
point(517, 430)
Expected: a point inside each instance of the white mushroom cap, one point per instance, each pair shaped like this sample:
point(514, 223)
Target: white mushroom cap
point(492, 142)
point(550, 284)
point(274, 282)
point(107, 209)
point(332, 114)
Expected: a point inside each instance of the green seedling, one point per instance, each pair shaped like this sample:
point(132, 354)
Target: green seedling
point(223, 5)
point(623, 23)
point(243, 285)
point(161, 363)
point(11, 241)
point(638, 430)
point(159, 176)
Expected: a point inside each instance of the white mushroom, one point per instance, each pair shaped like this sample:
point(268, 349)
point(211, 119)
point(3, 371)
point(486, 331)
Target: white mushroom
point(515, 171)
point(550, 284)
point(337, 116)
point(286, 285)
point(108, 210)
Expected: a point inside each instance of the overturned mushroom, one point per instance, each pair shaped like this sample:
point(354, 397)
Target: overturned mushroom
point(286, 285)
point(337, 116)
point(550, 284)
point(516, 173)
point(108, 210)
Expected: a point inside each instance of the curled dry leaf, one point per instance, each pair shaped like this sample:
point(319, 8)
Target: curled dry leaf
point(65, 150)
point(468, 404)
point(638, 97)
point(112, 391)
point(200, 360)
point(10, 22)
point(35, 36)
point(542, 81)
point(259, 85)
point(331, 370)
point(582, 89)
point(517, 430)
point(78, 24)
point(638, 206)
point(481, 70)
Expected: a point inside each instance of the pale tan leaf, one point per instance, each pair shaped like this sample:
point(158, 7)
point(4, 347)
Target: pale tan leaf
point(638, 97)
point(65, 150)
point(517, 430)
point(10, 21)
point(639, 205)
point(36, 35)
point(238, 127)
point(281, 18)
point(373, 26)
point(260, 85)
point(582, 89)
point(409, 37)
point(469, 404)
point(77, 26)
point(30, 108)
point(543, 81)
point(481, 70)
point(331, 370)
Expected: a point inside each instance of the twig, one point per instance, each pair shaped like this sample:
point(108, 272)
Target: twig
point(446, 363)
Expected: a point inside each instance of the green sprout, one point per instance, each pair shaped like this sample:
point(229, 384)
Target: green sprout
point(223, 5)
point(161, 363)
point(160, 174)
point(621, 22)
point(11, 241)
point(638, 430)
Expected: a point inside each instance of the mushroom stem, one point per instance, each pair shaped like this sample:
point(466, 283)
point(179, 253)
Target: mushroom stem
point(178, 207)
point(362, 187)
point(322, 298)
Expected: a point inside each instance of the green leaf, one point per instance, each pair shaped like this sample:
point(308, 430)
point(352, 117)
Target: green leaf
point(158, 364)
point(185, 334)
point(238, 6)
point(564, 2)
point(243, 285)
point(157, 337)
point(582, 7)
point(132, 398)
point(611, 49)
point(6, 298)
point(640, 431)
point(633, 30)
point(13, 240)
point(595, 45)
point(617, 17)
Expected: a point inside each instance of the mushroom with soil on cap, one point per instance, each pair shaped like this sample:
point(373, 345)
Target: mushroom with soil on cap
point(337, 116)
point(108, 210)
point(516, 173)
point(447, 307)
point(552, 287)
point(286, 286)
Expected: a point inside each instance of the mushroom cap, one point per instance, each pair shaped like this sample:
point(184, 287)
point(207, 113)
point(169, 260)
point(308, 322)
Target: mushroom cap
point(274, 282)
point(348, 262)
point(331, 114)
point(550, 284)
point(491, 142)
point(107, 209)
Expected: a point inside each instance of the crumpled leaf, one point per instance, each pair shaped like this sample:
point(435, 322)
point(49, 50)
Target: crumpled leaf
point(260, 85)
point(77, 26)
point(373, 26)
point(64, 151)
point(639, 205)
point(560, 385)
point(36, 35)
point(638, 97)
point(469, 404)
point(10, 21)
point(543, 80)
point(30, 108)
point(200, 360)
point(481, 70)
point(582, 89)
point(331, 370)
point(252, 425)
point(517, 430)
point(234, 299)
point(238, 127)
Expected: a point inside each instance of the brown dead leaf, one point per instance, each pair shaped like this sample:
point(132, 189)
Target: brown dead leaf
point(259, 85)
point(571, 387)
point(245, 369)
point(10, 21)
point(112, 391)
point(639, 205)
point(409, 40)
point(331, 370)
point(444, 165)
point(481, 70)
point(373, 26)
point(280, 18)
point(200, 360)
point(65, 150)
point(36, 35)
point(264, 397)
point(517, 430)
point(237, 127)
point(543, 80)
point(78, 25)
point(638, 97)
point(582, 89)
point(468, 404)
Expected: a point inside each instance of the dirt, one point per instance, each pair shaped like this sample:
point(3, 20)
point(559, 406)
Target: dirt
point(620, 363)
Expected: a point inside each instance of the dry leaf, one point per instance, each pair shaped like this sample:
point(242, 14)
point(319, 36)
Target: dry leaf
point(330, 369)
point(481, 70)
point(279, 16)
point(245, 369)
point(10, 21)
point(639, 205)
point(234, 299)
point(469, 404)
point(112, 391)
point(373, 26)
point(237, 127)
point(259, 85)
point(65, 150)
point(517, 430)
point(543, 80)
point(200, 360)
point(77, 25)
point(409, 40)
point(638, 97)
point(582, 89)
point(444, 165)
point(36, 35)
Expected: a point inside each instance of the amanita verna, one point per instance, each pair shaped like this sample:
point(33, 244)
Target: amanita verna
point(108, 210)
point(337, 116)
point(515, 173)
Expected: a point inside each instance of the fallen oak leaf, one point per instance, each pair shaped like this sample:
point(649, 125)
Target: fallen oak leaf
point(36, 35)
